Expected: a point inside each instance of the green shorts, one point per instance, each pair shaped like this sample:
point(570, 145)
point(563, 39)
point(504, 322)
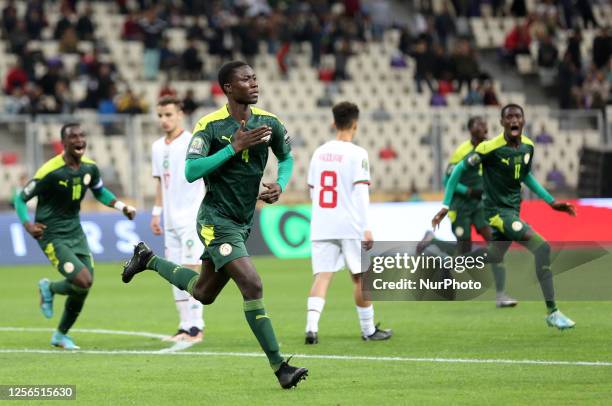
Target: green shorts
point(223, 244)
point(68, 261)
point(506, 224)
point(462, 221)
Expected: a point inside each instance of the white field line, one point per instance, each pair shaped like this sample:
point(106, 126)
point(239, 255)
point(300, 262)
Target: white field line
point(168, 351)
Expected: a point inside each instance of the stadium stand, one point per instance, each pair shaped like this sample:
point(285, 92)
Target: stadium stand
point(107, 75)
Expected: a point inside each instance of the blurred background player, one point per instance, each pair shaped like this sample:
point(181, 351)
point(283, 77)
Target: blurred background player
point(506, 164)
point(466, 209)
point(60, 185)
point(229, 149)
point(180, 235)
point(339, 179)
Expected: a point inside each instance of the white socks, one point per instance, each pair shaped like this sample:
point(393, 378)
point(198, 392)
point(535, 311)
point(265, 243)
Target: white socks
point(315, 308)
point(189, 309)
point(366, 320)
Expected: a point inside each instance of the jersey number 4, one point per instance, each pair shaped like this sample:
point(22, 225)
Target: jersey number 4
point(328, 190)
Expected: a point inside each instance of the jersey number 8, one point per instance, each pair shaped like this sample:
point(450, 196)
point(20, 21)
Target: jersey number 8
point(331, 189)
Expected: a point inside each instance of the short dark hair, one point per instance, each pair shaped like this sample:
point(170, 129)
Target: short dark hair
point(167, 100)
point(66, 127)
point(472, 120)
point(345, 113)
point(511, 105)
point(227, 70)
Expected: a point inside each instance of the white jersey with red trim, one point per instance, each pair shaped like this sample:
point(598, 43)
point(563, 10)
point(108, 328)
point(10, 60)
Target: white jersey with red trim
point(337, 168)
point(181, 199)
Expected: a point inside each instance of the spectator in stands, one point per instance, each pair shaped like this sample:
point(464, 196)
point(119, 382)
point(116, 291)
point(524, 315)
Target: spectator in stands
point(190, 105)
point(489, 96)
point(85, 27)
point(474, 95)
point(568, 78)
point(69, 42)
point(16, 77)
point(424, 59)
point(518, 8)
point(195, 31)
point(602, 48)
point(130, 103)
point(191, 61)
point(567, 6)
point(53, 74)
point(380, 17)
point(387, 153)
point(573, 48)
point(152, 29)
point(380, 113)
point(35, 23)
point(586, 12)
point(465, 63)
point(16, 102)
point(248, 34)
point(544, 137)
point(9, 18)
point(437, 98)
point(341, 56)
point(548, 57)
point(517, 42)
point(445, 25)
point(166, 90)
point(596, 90)
point(63, 23)
point(131, 29)
point(18, 38)
point(64, 99)
point(556, 179)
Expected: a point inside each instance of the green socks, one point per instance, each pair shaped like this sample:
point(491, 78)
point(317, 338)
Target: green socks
point(541, 251)
point(261, 325)
point(182, 278)
point(499, 274)
point(72, 308)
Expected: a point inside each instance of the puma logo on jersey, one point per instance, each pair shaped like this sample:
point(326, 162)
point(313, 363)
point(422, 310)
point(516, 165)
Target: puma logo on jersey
point(505, 160)
point(228, 139)
point(64, 183)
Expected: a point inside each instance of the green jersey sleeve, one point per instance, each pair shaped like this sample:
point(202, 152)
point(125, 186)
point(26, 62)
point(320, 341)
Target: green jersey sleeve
point(200, 143)
point(280, 143)
point(96, 178)
point(33, 188)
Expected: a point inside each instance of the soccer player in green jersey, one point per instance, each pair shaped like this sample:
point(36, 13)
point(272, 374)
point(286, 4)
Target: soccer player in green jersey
point(60, 185)
point(229, 149)
point(466, 209)
point(506, 164)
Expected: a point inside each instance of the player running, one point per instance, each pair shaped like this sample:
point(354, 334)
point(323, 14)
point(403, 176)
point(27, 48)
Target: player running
point(338, 177)
point(506, 163)
point(229, 149)
point(60, 185)
point(466, 209)
point(180, 235)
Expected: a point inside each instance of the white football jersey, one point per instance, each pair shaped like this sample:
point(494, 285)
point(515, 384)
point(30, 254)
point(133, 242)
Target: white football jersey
point(181, 199)
point(336, 168)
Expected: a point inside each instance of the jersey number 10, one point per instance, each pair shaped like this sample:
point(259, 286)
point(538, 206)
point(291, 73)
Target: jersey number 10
point(331, 189)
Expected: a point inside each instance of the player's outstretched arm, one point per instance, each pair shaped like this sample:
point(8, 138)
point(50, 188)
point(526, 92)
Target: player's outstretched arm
point(34, 229)
point(451, 187)
point(461, 188)
point(535, 186)
point(106, 197)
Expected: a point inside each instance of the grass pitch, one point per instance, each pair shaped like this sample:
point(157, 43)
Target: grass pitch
point(441, 353)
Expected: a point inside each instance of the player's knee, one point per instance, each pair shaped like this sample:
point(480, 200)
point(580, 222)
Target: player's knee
point(83, 279)
point(254, 290)
point(203, 297)
point(543, 250)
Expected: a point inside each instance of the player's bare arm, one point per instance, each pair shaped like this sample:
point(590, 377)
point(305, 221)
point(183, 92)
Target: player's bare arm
point(272, 194)
point(156, 217)
point(435, 222)
point(564, 207)
point(368, 240)
point(36, 230)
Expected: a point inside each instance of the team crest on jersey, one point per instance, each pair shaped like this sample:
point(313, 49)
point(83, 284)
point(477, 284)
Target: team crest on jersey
point(526, 158)
point(474, 159)
point(225, 249)
point(166, 163)
point(86, 179)
point(364, 165)
point(29, 187)
point(196, 146)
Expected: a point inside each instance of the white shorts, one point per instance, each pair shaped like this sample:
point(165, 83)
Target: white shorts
point(334, 255)
point(183, 247)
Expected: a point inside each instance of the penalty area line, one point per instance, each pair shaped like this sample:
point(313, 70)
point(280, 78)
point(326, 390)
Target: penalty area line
point(176, 351)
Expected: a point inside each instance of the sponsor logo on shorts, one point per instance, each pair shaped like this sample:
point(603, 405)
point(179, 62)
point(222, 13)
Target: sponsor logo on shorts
point(517, 226)
point(68, 267)
point(526, 158)
point(225, 249)
point(86, 179)
point(459, 231)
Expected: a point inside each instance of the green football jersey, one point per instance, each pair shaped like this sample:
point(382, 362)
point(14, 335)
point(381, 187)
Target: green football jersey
point(232, 189)
point(60, 190)
point(504, 167)
point(471, 177)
